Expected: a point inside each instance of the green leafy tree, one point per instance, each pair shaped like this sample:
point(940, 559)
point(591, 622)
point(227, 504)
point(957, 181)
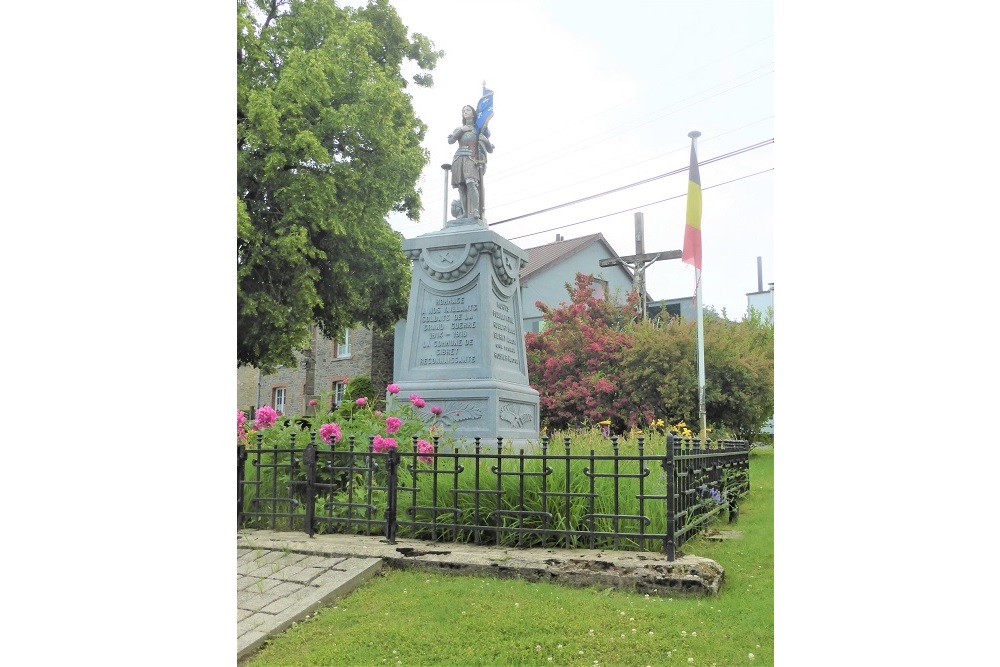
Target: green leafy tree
point(327, 145)
point(739, 359)
point(661, 368)
point(575, 363)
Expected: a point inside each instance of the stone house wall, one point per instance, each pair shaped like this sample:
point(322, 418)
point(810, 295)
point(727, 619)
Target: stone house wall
point(320, 368)
point(246, 387)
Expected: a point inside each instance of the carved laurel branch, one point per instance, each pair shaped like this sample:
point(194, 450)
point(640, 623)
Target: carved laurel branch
point(457, 413)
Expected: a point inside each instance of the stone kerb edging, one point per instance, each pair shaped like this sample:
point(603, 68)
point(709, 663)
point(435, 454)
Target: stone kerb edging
point(641, 572)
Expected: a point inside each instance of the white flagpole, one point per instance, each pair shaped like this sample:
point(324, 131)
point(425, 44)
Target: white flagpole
point(701, 361)
point(702, 417)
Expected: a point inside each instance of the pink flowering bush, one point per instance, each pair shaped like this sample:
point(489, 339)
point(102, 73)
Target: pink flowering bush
point(399, 425)
point(241, 433)
point(424, 447)
point(330, 432)
point(266, 416)
point(342, 437)
point(380, 444)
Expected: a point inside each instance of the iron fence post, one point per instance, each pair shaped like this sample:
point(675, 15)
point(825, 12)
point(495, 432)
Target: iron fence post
point(668, 467)
point(392, 485)
point(241, 458)
point(309, 457)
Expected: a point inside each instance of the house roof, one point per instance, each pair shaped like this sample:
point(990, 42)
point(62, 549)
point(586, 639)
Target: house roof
point(542, 257)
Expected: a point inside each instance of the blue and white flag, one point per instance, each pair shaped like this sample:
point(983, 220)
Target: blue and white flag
point(484, 111)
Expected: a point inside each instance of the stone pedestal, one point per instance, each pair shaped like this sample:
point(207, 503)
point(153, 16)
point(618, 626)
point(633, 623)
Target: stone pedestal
point(463, 342)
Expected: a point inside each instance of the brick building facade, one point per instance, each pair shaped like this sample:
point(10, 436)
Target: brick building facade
point(322, 372)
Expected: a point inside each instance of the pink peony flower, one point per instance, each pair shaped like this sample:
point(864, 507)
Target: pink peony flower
point(393, 389)
point(417, 401)
point(266, 416)
point(424, 447)
point(377, 413)
point(436, 411)
point(392, 424)
point(380, 444)
point(361, 402)
point(312, 402)
point(327, 431)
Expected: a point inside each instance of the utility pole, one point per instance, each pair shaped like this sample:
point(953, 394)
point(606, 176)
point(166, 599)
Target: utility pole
point(640, 261)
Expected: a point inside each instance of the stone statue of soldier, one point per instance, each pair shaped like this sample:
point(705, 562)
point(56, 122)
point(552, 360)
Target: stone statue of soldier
point(467, 165)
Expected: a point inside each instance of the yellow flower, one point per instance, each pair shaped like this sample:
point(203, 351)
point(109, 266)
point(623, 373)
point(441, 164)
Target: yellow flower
point(606, 422)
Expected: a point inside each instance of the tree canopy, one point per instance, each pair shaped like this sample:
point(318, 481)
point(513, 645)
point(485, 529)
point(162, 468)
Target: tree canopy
point(327, 145)
point(596, 360)
point(662, 370)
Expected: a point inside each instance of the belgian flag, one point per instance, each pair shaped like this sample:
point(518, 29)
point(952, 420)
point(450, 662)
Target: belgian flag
point(692, 230)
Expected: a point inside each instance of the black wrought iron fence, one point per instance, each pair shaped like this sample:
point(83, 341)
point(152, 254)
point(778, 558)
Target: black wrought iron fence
point(636, 495)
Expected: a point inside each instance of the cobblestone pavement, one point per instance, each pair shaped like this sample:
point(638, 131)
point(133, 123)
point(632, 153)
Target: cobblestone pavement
point(275, 588)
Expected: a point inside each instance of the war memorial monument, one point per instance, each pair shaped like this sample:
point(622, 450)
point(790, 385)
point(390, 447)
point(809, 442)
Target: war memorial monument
point(462, 347)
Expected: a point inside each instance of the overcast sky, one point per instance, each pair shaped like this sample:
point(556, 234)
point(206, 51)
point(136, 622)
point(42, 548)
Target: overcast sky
point(590, 99)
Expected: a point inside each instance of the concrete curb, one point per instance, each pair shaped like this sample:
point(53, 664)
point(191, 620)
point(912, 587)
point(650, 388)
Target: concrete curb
point(643, 572)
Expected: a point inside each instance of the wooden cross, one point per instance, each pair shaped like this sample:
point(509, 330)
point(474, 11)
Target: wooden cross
point(640, 260)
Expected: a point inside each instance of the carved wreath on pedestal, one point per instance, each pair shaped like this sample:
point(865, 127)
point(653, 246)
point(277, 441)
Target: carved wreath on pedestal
point(516, 416)
point(454, 263)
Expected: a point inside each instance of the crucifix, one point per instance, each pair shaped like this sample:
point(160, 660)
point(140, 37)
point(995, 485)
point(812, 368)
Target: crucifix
point(640, 260)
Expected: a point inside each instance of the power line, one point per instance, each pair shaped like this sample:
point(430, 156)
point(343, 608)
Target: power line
point(587, 143)
point(685, 147)
point(660, 201)
point(637, 183)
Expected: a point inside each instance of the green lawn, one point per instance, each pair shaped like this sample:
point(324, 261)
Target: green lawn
point(414, 618)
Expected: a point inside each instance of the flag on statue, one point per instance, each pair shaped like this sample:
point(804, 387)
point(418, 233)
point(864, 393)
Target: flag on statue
point(484, 111)
point(692, 230)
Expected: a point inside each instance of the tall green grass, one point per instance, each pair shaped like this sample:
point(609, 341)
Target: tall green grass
point(412, 618)
point(537, 499)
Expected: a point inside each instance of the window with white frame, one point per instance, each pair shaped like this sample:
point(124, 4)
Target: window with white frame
point(338, 392)
point(344, 345)
point(279, 399)
point(600, 288)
